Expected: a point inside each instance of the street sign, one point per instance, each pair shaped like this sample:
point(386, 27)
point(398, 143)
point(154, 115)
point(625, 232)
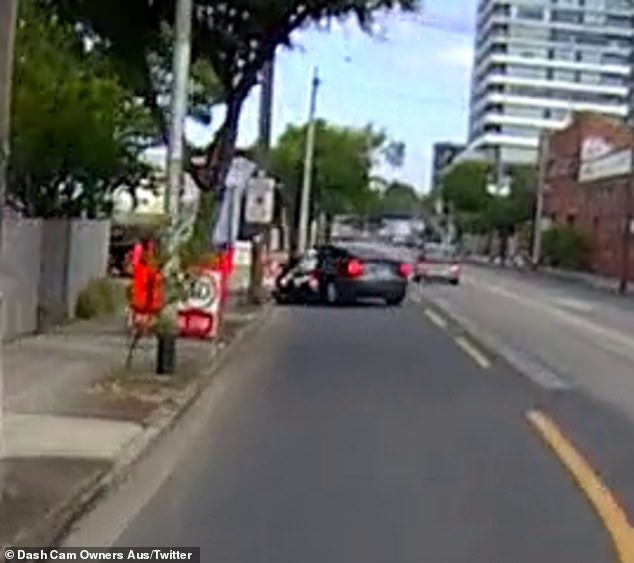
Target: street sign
point(260, 201)
point(198, 315)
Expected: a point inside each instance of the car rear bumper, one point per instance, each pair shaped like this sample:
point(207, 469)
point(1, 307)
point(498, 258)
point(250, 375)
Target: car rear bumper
point(449, 278)
point(371, 289)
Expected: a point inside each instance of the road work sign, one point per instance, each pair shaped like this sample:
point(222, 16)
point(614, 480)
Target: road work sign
point(198, 316)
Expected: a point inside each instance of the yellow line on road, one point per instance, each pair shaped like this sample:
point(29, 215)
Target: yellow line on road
point(476, 355)
point(610, 512)
point(435, 318)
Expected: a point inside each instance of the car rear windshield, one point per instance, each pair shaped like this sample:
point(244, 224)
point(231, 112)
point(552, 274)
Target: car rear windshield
point(440, 253)
point(363, 252)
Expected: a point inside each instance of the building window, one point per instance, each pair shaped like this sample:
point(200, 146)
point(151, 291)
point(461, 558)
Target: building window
point(594, 18)
point(565, 16)
point(518, 131)
point(562, 36)
point(528, 112)
point(589, 56)
point(529, 12)
point(564, 75)
point(590, 78)
point(613, 59)
point(588, 38)
point(612, 80)
point(560, 54)
point(526, 71)
point(618, 21)
point(571, 219)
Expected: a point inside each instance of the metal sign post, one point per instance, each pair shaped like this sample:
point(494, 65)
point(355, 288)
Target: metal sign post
point(258, 214)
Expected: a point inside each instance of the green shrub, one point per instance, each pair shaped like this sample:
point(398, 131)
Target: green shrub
point(567, 247)
point(101, 296)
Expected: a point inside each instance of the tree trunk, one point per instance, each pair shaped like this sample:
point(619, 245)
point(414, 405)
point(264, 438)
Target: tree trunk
point(211, 178)
point(328, 228)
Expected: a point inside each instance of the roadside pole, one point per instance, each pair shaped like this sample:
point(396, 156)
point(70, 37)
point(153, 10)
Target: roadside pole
point(628, 215)
point(178, 111)
point(8, 19)
point(175, 149)
point(261, 240)
point(304, 212)
point(536, 254)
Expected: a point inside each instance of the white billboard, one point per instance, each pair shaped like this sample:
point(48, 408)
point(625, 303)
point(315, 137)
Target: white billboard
point(601, 160)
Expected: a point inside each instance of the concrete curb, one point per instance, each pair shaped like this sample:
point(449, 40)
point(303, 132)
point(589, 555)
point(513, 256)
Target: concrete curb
point(59, 520)
point(527, 365)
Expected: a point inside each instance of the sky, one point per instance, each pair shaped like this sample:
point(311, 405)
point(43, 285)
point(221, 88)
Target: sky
point(411, 80)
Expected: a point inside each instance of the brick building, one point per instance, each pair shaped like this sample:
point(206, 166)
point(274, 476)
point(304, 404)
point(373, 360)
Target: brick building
point(587, 184)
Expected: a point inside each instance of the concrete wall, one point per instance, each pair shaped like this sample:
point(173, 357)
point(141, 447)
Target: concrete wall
point(73, 253)
point(88, 256)
point(43, 267)
point(53, 308)
point(20, 275)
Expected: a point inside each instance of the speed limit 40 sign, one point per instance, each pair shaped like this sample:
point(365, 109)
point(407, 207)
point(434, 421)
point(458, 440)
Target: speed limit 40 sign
point(199, 314)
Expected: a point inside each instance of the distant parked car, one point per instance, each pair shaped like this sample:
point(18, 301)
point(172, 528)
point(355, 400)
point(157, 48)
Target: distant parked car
point(438, 262)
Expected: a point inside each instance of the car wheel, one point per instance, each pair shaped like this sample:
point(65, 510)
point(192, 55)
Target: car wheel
point(395, 301)
point(281, 299)
point(455, 281)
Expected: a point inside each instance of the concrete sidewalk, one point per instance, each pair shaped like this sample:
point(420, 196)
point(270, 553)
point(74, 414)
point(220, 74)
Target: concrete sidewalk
point(72, 410)
point(583, 278)
point(47, 382)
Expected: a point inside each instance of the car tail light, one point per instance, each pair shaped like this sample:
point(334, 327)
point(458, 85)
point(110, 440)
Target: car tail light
point(454, 268)
point(355, 268)
point(405, 270)
point(313, 281)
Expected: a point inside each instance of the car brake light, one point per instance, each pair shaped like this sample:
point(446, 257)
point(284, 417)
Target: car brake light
point(355, 268)
point(454, 268)
point(405, 270)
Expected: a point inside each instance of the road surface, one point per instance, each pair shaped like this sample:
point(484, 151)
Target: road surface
point(368, 434)
point(580, 335)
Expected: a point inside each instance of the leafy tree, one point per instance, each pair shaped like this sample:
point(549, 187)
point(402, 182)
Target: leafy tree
point(343, 161)
point(235, 37)
point(400, 198)
point(505, 214)
point(465, 187)
point(76, 133)
point(523, 194)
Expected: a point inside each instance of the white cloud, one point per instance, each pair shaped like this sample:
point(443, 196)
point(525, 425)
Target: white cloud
point(460, 55)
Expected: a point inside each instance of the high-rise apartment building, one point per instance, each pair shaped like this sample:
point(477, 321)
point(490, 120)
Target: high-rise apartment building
point(536, 61)
point(443, 155)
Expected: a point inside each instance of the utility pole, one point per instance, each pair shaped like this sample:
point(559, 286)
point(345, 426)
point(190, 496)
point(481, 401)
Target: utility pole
point(178, 111)
point(628, 185)
point(261, 240)
point(304, 211)
point(536, 254)
point(8, 20)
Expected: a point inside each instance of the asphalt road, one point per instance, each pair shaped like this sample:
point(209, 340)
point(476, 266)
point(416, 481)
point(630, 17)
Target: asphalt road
point(374, 435)
point(579, 335)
